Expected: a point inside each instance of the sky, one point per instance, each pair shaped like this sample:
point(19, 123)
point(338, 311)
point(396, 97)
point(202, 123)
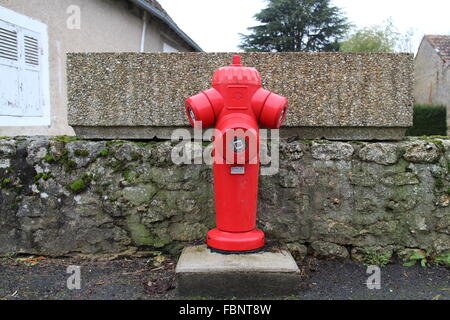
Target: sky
point(215, 24)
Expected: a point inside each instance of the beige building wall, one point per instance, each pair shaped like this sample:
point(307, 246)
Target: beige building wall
point(426, 66)
point(447, 70)
point(432, 78)
point(105, 26)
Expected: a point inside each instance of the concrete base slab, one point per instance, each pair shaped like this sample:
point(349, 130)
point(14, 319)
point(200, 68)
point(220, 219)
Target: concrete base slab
point(202, 273)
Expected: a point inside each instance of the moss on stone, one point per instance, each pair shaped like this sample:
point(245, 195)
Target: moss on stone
point(112, 164)
point(439, 183)
point(435, 140)
point(78, 186)
point(49, 158)
point(401, 179)
point(140, 143)
point(439, 144)
point(43, 176)
point(135, 157)
point(82, 184)
point(120, 142)
point(432, 137)
point(401, 200)
point(128, 175)
point(322, 142)
point(115, 143)
point(141, 235)
point(206, 143)
point(70, 165)
point(117, 166)
point(62, 159)
point(5, 183)
point(64, 139)
point(104, 152)
point(13, 206)
point(81, 153)
point(139, 194)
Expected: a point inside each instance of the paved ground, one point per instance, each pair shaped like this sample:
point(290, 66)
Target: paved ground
point(347, 280)
point(25, 278)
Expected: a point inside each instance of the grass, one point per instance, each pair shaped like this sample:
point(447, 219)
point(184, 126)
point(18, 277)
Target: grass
point(417, 256)
point(377, 259)
point(443, 259)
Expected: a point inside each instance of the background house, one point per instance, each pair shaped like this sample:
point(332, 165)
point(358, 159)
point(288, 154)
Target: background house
point(432, 72)
point(35, 36)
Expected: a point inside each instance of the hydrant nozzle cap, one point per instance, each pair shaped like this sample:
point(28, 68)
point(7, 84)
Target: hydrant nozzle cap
point(236, 60)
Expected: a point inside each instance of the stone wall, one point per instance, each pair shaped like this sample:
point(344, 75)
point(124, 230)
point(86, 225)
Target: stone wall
point(63, 197)
point(338, 96)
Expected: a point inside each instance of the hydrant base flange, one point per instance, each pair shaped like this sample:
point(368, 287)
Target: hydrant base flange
point(226, 252)
point(235, 241)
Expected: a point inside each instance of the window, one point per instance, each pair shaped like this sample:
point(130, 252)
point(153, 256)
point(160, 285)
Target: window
point(24, 82)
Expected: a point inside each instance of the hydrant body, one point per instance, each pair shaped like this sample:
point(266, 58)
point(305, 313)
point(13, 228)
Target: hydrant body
point(236, 105)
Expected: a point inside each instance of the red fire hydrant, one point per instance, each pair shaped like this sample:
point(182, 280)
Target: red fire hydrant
point(236, 105)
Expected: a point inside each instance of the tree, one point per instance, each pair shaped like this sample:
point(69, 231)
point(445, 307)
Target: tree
point(297, 25)
point(405, 43)
point(378, 38)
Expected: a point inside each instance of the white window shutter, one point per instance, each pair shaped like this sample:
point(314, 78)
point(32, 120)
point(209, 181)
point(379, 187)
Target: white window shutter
point(24, 71)
point(9, 70)
point(30, 86)
point(8, 42)
point(32, 49)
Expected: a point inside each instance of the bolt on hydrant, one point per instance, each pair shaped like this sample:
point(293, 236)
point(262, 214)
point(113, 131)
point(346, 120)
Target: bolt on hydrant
point(236, 105)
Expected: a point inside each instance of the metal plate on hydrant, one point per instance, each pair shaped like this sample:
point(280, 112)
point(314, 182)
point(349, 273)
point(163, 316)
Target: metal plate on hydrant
point(237, 170)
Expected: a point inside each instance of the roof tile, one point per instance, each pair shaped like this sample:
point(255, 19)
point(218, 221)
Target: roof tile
point(441, 44)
